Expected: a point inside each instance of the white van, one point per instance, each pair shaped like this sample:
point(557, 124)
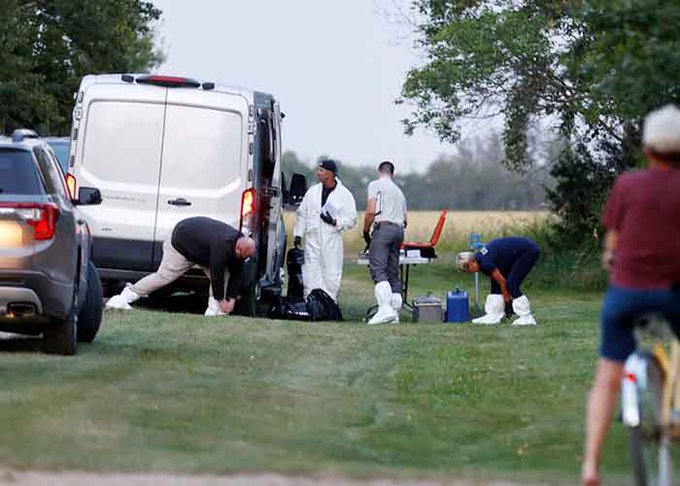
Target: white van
point(165, 148)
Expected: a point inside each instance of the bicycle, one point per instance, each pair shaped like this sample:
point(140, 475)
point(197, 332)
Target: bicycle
point(650, 402)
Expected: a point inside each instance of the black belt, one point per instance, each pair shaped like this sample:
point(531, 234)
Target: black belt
point(377, 225)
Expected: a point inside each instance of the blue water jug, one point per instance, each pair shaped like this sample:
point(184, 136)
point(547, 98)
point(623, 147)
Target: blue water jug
point(457, 306)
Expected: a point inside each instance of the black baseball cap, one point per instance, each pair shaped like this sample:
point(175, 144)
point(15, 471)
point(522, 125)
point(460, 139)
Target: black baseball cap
point(329, 164)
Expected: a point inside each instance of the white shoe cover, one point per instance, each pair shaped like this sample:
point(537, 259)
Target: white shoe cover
point(396, 302)
point(123, 300)
point(385, 314)
point(489, 319)
point(494, 309)
point(522, 308)
point(213, 309)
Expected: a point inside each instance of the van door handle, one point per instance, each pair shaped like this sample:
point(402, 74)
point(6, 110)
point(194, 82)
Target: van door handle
point(180, 201)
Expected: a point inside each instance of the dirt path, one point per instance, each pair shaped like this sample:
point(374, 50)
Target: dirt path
point(15, 478)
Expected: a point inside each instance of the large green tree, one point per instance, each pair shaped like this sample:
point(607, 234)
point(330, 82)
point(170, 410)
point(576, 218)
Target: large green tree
point(592, 65)
point(590, 69)
point(48, 45)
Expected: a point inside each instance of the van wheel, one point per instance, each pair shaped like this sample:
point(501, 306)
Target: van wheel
point(60, 336)
point(245, 306)
point(90, 316)
point(251, 307)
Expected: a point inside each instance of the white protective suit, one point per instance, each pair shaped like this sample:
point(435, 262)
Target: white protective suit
point(323, 242)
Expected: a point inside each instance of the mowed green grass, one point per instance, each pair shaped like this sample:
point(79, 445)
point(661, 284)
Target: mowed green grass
point(161, 391)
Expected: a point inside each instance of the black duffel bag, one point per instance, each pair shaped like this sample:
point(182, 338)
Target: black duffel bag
point(321, 307)
point(318, 306)
point(294, 261)
point(290, 308)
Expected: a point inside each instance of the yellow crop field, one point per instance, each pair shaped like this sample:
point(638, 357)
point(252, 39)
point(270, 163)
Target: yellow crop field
point(458, 225)
point(421, 223)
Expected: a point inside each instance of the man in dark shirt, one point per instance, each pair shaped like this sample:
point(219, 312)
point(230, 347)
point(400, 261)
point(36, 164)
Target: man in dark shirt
point(642, 253)
point(214, 246)
point(507, 261)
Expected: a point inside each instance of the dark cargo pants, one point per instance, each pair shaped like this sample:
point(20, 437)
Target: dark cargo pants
point(520, 269)
point(383, 256)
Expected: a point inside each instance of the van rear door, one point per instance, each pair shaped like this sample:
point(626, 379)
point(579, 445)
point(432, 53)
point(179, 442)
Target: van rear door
point(203, 168)
point(274, 258)
point(119, 151)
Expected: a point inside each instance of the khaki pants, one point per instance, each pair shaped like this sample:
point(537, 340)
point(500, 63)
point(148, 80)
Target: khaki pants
point(173, 266)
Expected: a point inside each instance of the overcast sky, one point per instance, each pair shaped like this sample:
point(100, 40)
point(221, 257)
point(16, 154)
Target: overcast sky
point(336, 66)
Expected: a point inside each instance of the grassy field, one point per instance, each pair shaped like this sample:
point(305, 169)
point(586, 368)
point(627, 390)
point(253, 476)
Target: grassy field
point(168, 392)
point(457, 227)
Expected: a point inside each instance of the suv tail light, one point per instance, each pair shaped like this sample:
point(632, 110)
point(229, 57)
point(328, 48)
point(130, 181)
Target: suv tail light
point(247, 211)
point(42, 217)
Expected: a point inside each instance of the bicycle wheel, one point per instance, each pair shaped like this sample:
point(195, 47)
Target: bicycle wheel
point(649, 444)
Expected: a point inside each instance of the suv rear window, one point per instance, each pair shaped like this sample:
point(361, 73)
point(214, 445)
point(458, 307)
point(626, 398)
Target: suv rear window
point(18, 173)
point(52, 178)
point(61, 150)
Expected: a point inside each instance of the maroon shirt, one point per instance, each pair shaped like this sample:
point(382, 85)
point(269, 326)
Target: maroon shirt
point(644, 209)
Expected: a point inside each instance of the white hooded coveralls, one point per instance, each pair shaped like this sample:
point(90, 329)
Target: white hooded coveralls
point(323, 242)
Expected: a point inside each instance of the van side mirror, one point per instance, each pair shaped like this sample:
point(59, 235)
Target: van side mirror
point(88, 196)
point(298, 188)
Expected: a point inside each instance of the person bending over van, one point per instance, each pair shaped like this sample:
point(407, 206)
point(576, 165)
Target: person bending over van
point(213, 245)
point(642, 254)
point(507, 261)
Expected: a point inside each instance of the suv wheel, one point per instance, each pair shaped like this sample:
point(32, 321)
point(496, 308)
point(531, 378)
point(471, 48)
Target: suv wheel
point(60, 336)
point(90, 315)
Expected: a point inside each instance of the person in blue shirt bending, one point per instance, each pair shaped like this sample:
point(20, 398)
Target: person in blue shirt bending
point(507, 261)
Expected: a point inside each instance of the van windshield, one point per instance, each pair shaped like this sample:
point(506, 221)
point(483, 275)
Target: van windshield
point(18, 173)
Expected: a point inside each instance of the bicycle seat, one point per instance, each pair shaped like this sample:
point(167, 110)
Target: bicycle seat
point(658, 325)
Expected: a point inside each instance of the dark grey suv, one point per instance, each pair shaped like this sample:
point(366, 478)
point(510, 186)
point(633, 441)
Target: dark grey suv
point(48, 284)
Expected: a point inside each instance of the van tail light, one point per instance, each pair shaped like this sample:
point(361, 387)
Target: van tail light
point(71, 186)
point(42, 217)
point(169, 81)
point(247, 210)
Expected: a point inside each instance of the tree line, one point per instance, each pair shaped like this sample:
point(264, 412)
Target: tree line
point(473, 178)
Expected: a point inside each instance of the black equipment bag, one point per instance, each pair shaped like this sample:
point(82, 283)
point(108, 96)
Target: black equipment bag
point(321, 307)
point(288, 308)
point(294, 261)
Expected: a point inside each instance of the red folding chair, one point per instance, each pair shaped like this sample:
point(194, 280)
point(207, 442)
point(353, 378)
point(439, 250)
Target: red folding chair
point(427, 247)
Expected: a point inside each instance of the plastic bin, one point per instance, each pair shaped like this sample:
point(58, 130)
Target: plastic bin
point(427, 309)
